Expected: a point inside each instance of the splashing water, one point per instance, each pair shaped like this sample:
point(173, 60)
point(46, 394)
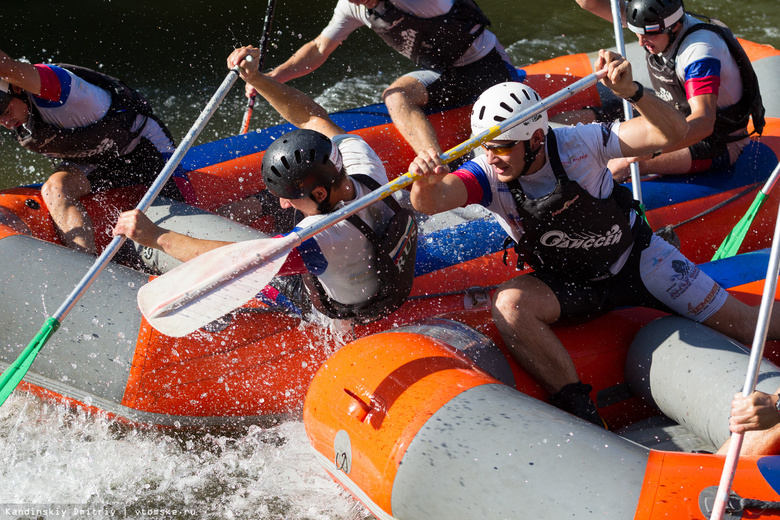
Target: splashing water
point(59, 458)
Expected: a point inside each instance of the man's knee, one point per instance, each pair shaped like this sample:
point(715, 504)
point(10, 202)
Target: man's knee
point(65, 184)
point(404, 92)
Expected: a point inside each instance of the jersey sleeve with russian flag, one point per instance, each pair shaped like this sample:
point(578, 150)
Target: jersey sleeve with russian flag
point(68, 101)
point(700, 63)
point(474, 177)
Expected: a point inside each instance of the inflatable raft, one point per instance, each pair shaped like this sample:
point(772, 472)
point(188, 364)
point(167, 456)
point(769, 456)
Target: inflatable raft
point(258, 362)
point(431, 420)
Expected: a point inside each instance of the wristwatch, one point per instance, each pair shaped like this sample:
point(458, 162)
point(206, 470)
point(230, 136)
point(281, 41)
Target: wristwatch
point(640, 91)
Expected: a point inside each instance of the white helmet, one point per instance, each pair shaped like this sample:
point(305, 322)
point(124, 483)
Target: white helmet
point(502, 101)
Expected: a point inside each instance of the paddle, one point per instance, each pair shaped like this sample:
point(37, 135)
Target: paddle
point(264, 40)
point(16, 371)
point(617, 23)
point(751, 378)
point(213, 284)
point(730, 245)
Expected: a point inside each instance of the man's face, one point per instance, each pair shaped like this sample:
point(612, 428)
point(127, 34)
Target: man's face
point(506, 157)
point(15, 114)
point(654, 43)
point(305, 205)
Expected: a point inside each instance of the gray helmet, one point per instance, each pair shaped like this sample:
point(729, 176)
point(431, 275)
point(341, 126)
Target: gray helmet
point(299, 161)
point(653, 16)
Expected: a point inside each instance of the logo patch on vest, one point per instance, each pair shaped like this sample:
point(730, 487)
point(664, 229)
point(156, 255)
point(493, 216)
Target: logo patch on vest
point(561, 240)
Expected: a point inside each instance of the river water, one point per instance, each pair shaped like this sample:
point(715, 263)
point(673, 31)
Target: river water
point(53, 459)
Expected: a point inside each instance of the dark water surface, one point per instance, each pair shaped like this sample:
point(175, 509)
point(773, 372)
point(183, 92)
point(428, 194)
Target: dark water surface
point(174, 51)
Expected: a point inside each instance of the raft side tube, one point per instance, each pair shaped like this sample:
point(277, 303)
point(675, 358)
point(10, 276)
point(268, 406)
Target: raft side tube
point(413, 429)
point(39, 277)
point(691, 372)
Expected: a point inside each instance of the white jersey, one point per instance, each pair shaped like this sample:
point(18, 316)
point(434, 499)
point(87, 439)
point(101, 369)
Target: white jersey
point(341, 257)
point(584, 151)
point(347, 17)
point(704, 65)
point(67, 101)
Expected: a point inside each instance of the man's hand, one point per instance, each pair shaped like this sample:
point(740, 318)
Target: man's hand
point(619, 77)
point(428, 163)
point(137, 227)
point(248, 68)
point(754, 412)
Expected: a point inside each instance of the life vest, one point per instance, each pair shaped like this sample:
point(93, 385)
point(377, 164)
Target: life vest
point(395, 252)
point(727, 119)
point(569, 231)
point(95, 143)
point(432, 43)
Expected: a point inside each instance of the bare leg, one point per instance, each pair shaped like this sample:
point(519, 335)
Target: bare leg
point(738, 320)
point(404, 99)
point(677, 162)
point(62, 193)
point(523, 310)
point(764, 442)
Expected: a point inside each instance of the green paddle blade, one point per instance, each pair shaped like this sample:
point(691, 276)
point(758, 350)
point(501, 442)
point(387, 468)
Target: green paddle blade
point(730, 245)
point(18, 369)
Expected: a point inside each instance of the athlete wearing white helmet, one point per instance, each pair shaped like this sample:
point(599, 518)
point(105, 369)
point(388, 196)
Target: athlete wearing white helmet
point(579, 230)
point(505, 100)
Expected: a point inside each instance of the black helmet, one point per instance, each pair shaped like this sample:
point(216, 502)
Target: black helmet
point(653, 16)
point(299, 161)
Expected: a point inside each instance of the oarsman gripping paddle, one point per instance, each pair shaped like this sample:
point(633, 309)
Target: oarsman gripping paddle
point(17, 370)
point(220, 280)
point(551, 191)
point(315, 170)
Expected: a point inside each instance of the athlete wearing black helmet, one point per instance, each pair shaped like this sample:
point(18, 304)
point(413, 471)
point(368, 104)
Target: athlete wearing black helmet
point(314, 169)
point(298, 163)
point(701, 68)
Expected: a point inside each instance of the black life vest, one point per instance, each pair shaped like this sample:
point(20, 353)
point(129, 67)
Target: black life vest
point(432, 43)
point(727, 119)
point(569, 231)
point(95, 143)
point(395, 252)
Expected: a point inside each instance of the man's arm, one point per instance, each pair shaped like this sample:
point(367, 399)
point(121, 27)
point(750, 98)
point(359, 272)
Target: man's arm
point(603, 8)
point(660, 124)
point(305, 60)
point(438, 190)
point(23, 75)
point(701, 121)
point(136, 226)
point(292, 104)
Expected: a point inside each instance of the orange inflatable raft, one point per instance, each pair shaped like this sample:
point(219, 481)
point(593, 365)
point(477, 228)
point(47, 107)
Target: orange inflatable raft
point(432, 421)
point(259, 362)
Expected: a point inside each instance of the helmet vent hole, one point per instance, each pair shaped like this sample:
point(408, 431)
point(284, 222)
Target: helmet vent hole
point(506, 107)
point(298, 157)
point(482, 112)
point(285, 162)
point(275, 171)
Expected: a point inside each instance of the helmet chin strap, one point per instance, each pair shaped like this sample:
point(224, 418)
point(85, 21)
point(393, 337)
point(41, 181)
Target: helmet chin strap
point(529, 156)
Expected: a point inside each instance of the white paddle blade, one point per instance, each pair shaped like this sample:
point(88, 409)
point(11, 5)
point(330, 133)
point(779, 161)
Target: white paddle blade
point(212, 284)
